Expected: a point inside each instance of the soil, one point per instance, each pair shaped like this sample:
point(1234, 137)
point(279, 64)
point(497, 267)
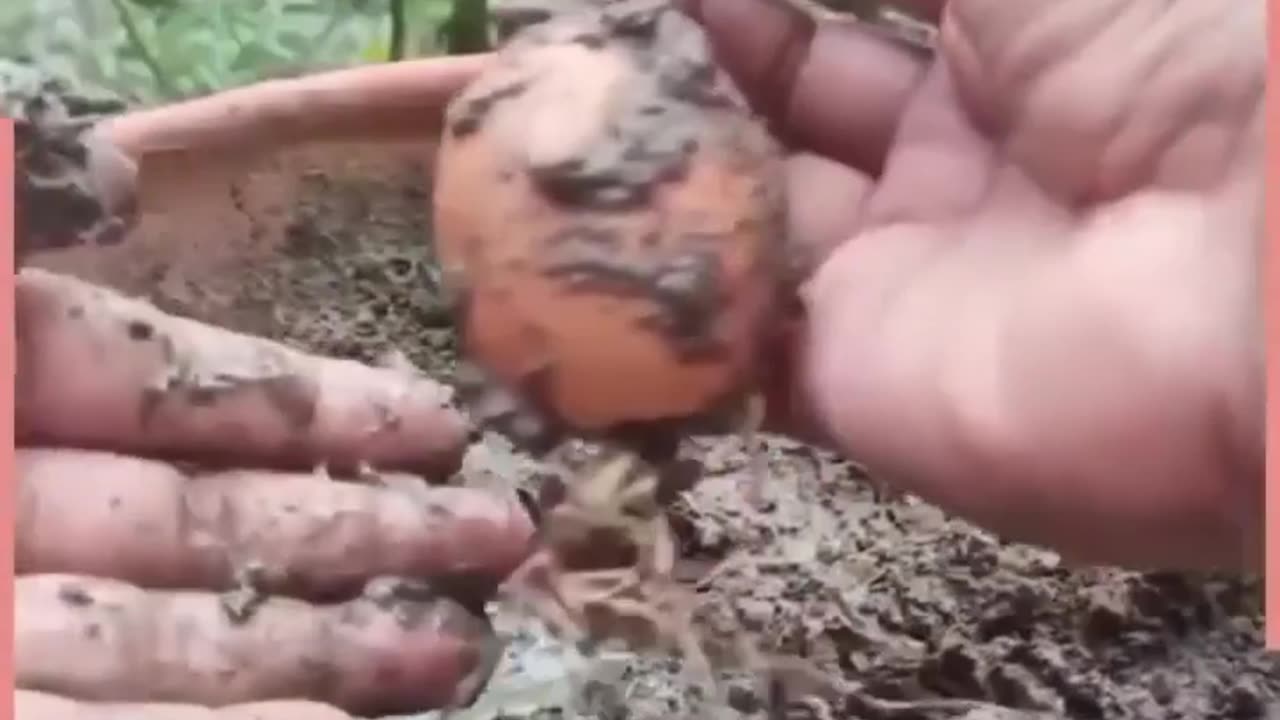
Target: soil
point(330, 250)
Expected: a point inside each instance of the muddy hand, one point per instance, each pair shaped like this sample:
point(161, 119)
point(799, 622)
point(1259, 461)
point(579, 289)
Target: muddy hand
point(78, 187)
point(1040, 304)
point(164, 465)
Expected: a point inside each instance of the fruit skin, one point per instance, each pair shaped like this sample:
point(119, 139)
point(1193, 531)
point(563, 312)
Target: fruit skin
point(610, 219)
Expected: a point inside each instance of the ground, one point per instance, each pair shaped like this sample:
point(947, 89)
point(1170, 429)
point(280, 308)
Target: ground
point(330, 250)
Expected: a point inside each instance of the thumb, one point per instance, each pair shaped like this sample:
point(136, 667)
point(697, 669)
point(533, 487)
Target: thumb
point(827, 85)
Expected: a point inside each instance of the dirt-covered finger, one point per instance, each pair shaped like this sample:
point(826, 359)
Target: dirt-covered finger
point(147, 522)
point(98, 369)
point(394, 650)
point(34, 705)
point(72, 186)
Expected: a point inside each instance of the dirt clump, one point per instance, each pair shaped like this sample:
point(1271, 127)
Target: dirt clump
point(73, 189)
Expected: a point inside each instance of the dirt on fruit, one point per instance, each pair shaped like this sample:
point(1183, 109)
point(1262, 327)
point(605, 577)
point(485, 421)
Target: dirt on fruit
point(330, 250)
point(632, 224)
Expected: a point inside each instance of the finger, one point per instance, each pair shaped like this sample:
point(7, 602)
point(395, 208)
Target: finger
point(99, 370)
point(72, 188)
point(830, 87)
point(389, 652)
point(33, 705)
point(146, 522)
point(829, 204)
point(942, 167)
point(825, 200)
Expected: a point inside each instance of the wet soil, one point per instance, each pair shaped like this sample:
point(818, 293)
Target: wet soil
point(330, 250)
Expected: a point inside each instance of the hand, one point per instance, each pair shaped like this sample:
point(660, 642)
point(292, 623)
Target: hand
point(140, 506)
point(1040, 303)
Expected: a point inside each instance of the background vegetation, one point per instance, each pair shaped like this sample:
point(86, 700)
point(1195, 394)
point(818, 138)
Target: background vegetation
point(147, 51)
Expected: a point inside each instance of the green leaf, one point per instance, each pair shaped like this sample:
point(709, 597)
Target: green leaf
point(204, 46)
point(376, 51)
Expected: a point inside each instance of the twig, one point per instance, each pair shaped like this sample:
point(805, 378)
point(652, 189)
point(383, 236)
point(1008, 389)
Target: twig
point(467, 29)
point(140, 46)
point(396, 50)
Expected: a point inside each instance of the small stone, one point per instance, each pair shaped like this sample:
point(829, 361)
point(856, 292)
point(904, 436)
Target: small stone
point(744, 699)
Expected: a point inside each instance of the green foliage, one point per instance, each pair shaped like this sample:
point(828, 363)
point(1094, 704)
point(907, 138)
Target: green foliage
point(156, 50)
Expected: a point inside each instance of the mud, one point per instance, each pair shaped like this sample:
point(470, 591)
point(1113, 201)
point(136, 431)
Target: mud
point(651, 139)
point(61, 200)
point(240, 604)
point(330, 251)
point(685, 289)
point(653, 134)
